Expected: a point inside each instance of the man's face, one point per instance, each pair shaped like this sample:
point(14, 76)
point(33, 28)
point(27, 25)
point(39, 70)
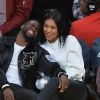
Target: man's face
point(84, 4)
point(30, 30)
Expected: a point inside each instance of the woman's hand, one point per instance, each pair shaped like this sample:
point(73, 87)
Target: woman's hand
point(63, 83)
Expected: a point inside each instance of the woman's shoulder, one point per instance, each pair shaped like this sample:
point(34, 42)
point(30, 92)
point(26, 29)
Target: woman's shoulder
point(71, 39)
point(73, 42)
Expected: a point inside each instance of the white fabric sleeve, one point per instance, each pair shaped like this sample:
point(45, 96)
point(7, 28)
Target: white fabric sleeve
point(75, 64)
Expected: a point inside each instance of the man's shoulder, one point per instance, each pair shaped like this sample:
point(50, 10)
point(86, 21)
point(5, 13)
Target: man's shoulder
point(7, 40)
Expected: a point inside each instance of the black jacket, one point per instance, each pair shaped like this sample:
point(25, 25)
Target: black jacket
point(31, 60)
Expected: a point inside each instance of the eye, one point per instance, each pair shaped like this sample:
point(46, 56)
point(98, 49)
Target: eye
point(53, 27)
point(45, 26)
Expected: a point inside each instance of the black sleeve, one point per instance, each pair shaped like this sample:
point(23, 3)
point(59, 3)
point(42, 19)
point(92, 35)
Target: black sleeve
point(50, 68)
point(3, 79)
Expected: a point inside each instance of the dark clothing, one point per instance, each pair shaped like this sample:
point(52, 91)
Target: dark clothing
point(76, 91)
point(30, 61)
point(48, 93)
point(98, 80)
point(21, 93)
point(29, 73)
point(13, 32)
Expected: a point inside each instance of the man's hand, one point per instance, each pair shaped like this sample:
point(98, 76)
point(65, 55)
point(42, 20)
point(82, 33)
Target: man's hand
point(63, 83)
point(0, 33)
point(8, 94)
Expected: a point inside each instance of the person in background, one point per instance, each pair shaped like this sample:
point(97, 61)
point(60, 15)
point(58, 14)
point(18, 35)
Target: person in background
point(88, 28)
point(13, 13)
point(66, 50)
point(77, 13)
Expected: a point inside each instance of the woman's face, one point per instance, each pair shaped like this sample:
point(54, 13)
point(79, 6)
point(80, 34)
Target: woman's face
point(50, 30)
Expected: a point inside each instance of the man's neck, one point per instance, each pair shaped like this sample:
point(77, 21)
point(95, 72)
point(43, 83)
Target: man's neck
point(20, 40)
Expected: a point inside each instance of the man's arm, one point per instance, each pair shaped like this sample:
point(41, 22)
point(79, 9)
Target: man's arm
point(52, 69)
point(3, 79)
point(63, 77)
point(4, 84)
point(48, 65)
point(22, 12)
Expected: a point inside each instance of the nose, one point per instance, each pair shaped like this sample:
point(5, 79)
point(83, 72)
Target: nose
point(48, 29)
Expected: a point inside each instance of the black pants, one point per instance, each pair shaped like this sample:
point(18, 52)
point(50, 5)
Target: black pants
point(76, 91)
point(21, 93)
point(48, 93)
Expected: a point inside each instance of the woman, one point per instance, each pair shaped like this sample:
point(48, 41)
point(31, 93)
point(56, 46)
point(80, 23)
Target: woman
point(66, 50)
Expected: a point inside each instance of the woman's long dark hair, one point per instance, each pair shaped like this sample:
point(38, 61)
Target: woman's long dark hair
point(60, 22)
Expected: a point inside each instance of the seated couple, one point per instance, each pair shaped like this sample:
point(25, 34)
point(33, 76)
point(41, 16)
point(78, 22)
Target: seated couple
point(29, 71)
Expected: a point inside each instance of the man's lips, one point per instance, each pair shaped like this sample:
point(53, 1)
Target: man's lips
point(30, 31)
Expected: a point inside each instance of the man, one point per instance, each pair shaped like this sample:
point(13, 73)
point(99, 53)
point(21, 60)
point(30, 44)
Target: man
point(20, 60)
point(88, 28)
point(77, 13)
point(13, 13)
point(11, 49)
